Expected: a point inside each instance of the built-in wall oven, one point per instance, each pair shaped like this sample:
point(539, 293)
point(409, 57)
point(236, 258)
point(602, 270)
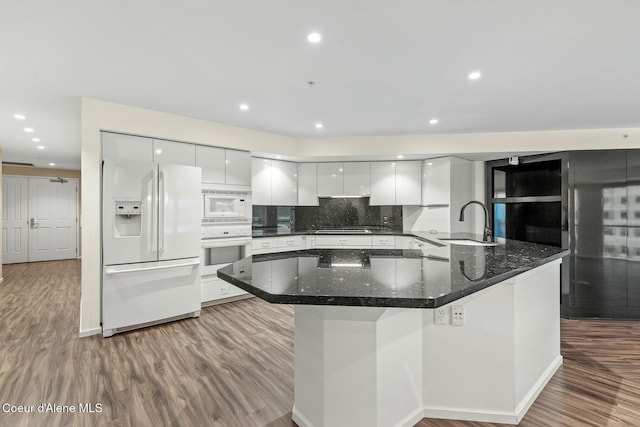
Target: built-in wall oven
point(222, 245)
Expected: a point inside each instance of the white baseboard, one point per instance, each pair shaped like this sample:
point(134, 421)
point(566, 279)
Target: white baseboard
point(89, 332)
point(300, 419)
point(500, 417)
point(459, 414)
point(412, 419)
point(536, 389)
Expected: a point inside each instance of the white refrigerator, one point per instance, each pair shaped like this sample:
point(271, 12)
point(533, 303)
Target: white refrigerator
point(150, 244)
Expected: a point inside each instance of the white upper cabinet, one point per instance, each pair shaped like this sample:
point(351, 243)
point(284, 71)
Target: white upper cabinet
point(284, 183)
point(260, 181)
point(357, 178)
point(274, 182)
point(222, 166)
point(176, 153)
point(116, 146)
point(212, 162)
point(238, 167)
point(436, 182)
point(383, 183)
point(307, 184)
point(448, 183)
point(330, 179)
point(408, 183)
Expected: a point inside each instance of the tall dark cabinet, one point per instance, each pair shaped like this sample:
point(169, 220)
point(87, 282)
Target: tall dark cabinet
point(596, 216)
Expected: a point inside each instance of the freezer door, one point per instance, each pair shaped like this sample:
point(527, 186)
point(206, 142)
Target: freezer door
point(129, 238)
point(179, 216)
point(142, 294)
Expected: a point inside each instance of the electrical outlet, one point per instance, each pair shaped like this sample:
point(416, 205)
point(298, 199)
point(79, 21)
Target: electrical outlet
point(440, 316)
point(457, 315)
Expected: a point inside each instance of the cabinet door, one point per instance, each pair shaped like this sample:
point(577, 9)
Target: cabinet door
point(260, 181)
point(408, 183)
point(436, 182)
point(357, 178)
point(212, 162)
point(330, 179)
point(403, 242)
point(284, 183)
point(116, 146)
point(307, 184)
point(238, 167)
point(175, 153)
point(383, 183)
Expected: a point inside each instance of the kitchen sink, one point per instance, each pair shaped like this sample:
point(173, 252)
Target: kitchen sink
point(468, 242)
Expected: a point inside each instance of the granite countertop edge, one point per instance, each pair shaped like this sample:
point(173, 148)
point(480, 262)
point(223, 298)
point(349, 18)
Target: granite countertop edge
point(385, 301)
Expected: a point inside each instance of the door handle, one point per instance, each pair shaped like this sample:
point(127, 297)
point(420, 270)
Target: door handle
point(33, 224)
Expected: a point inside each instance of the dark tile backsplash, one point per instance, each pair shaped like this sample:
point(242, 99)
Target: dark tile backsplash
point(342, 213)
point(332, 213)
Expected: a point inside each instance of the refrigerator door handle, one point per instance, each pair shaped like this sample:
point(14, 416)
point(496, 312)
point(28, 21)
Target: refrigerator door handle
point(136, 269)
point(154, 213)
point(161, 212)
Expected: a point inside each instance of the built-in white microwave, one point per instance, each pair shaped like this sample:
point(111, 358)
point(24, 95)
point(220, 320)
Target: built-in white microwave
point(230, 206)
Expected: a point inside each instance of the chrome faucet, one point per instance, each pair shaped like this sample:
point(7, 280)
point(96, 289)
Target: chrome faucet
point(486, 236)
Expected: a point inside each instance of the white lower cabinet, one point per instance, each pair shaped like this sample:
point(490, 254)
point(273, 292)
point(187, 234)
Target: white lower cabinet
point(403, 242)
point(267, 245)
point(383, 242)
point(214, 289)
point(291, 243)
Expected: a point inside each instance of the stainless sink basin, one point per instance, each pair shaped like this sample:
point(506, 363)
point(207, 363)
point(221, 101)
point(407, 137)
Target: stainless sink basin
point(468, 242)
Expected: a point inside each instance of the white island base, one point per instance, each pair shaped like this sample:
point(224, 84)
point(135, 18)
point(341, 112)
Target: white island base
point(374, 366)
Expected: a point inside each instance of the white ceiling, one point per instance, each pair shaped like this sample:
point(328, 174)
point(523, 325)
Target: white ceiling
point(382, 67)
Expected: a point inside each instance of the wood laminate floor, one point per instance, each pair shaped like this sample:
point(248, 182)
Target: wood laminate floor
point(234, 365)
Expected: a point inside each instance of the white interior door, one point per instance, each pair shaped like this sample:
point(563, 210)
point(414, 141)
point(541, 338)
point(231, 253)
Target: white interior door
point(53, 216)
point(15, 211)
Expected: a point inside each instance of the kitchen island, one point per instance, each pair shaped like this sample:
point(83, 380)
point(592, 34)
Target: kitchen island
point(386, 337)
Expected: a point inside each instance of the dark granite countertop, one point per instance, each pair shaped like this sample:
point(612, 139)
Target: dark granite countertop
point(425, 278)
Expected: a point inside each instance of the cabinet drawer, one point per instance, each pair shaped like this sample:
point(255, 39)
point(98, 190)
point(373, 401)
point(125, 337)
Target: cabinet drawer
point(291, 243)
point(383, 241)
point(264, 243)
point(343, 241)
point(215, 289)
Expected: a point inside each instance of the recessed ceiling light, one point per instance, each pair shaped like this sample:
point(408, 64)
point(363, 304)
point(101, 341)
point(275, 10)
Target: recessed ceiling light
point(400, 156)
point(28, 130)
point(475, 75)
point(244, 107)
point(40, 147)
point(314, 37)
point(52, 164)
point(319, 125)
point(158, 151)
point(35, 139)
point(20, 116)
point(429, 164)
point(433, 121)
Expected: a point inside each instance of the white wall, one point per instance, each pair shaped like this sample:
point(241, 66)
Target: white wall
point(99, 115)
point(451, 144)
